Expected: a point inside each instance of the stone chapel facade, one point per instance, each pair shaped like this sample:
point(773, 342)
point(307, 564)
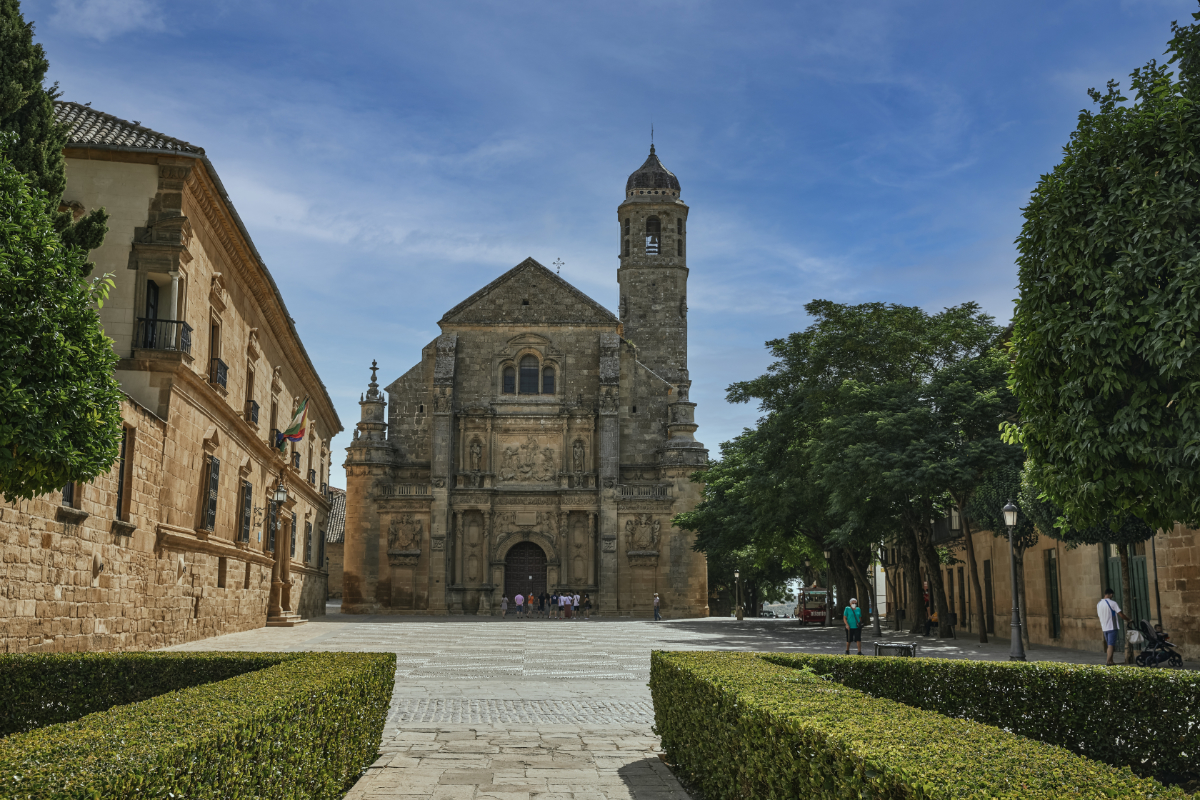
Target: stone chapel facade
point(541, 443)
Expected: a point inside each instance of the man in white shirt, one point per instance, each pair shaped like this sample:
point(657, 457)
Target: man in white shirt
point(1108, 611)
point(575, 607)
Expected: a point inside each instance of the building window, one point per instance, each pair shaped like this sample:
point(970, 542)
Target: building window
point(212, 483)
point(272, 522)
point(247, 507)
point(627, 247)
point(68, 495)
point(293, 551)
point(307, 542)
point(627, 226)
point(125, 473)
point(321, 549)
point(653, 235)
point(679, 226)
point(548, 380)
point(679, 247)
point(510, 380)
point(1055, 615)
point(529, 375)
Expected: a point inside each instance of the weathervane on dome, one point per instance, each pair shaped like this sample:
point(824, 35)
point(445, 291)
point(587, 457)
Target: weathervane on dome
point(558, 265)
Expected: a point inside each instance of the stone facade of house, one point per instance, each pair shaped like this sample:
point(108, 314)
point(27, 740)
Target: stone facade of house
point(541, 443)
point(182, 538)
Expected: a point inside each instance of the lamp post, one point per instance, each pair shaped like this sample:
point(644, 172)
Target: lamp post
point(828, 590)
point(737, 582)
point(1017, 651)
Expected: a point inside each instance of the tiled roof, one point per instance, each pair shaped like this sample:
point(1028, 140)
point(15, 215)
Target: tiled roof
point(336, 532)
point(91, 127)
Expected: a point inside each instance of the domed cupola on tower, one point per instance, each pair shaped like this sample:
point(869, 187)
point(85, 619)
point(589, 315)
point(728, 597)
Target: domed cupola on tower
point(652, 178)
point(653, 272)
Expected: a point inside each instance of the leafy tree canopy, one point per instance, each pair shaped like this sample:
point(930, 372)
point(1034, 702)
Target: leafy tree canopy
point(60, 417)
point(27, 110)
point(1106, 344)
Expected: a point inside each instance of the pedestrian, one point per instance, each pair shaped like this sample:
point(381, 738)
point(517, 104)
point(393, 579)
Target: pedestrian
point(567, 606)
point(544, 598)
point(520, 601)
point(657, 615)
point(562, 602)
point(853, 621)
point(587, 607)
point(1108, 611)
point(541, 605)
point(575, 605)
point(504, 606)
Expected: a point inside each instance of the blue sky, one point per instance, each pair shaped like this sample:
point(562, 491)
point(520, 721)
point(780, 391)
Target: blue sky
point(389, 158)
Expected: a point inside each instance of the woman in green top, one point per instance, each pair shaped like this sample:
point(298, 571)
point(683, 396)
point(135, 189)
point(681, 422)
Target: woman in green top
point(853, 619)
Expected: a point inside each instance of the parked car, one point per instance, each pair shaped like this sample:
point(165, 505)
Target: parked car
point(768, 614)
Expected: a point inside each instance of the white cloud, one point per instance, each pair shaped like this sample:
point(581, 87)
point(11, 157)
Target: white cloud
point(103, 19)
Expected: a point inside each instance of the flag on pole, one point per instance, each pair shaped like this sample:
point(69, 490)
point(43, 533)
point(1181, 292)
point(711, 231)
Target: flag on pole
point(296, 429)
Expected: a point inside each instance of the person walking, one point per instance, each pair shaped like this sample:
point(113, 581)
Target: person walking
point(1108, 611)
point(575, 606)
point(562, 604)
point(541, 605)
point(504, 606)
point(853, 621)
point(587, 607)
point(520, 601)
point(544, 599)
point(657, 614)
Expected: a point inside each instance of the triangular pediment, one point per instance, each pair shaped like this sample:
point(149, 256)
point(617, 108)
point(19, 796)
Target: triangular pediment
point(528, 294)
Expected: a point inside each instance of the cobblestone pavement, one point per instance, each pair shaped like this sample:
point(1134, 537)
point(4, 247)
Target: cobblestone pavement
point(545, 709)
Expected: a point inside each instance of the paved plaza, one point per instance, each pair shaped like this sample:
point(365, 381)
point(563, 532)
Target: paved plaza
point(545, 709)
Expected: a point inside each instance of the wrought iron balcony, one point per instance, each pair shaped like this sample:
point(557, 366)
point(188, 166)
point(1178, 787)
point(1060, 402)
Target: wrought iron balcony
point(312, 477)
point(218, 373)
point(296, 460)
point(252, 412)
point(163, 334)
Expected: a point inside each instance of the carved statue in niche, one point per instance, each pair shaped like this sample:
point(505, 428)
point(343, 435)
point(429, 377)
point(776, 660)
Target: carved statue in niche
point(441, 402)
point(641, 533)
point(404, 533)
point(528, 462)
point(608, 402)
point(476, 455)
point(683, 392)
point(577, 455)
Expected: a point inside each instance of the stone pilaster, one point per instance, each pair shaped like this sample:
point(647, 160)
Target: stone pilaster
point(610, 462)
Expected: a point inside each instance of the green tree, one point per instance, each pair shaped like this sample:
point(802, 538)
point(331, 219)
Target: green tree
point(27, 110)
point(1106, 355)
point(60, 418)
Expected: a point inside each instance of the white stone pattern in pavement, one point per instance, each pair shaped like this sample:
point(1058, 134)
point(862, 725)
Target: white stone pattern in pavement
point(545, 709)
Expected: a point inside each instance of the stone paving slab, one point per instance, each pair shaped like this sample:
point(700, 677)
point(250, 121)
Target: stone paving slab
point(491, 709)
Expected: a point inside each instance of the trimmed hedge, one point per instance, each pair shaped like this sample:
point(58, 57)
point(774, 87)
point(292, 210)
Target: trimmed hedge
point(305, 727)
point(1144, 719)
point(739, 726)
point(39, 690)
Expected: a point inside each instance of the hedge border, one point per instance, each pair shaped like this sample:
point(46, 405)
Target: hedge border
point(739, 726)
point(305, 727)
point(41, 689)
point(1046, 701)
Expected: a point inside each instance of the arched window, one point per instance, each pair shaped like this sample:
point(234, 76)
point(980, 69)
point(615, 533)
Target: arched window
point(548, 380)
point(510, 380)
point(653, 235)
point(529, 375)
point(626, 247)
point(626, 230)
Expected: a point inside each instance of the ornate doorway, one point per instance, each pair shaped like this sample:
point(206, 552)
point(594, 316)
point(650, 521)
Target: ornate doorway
point(524, 570)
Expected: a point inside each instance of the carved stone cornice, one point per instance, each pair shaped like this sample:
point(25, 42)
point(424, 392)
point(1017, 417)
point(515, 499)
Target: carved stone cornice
point(643, 558)
point(404, 558)
point(173, 537)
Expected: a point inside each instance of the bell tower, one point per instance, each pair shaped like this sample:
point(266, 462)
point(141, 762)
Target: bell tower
point(653, 271)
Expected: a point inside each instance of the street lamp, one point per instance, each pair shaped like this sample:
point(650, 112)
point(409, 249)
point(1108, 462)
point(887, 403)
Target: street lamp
point(1017, 651)
point(737, 582)
point(280, 495)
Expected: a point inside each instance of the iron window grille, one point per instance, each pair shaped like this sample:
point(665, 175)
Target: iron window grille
point(252, 412)
point(163, 334)
point(218, 373)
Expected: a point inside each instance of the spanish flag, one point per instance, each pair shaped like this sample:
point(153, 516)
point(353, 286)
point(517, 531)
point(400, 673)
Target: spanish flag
point(296, 430)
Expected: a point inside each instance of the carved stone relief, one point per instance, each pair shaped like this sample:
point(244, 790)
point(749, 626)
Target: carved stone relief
point(527, 462)
point(577, 456)
point(404, 533)
point(641, 533)
point(608, 402)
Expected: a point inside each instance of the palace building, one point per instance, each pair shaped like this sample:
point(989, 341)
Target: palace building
point(540, 443)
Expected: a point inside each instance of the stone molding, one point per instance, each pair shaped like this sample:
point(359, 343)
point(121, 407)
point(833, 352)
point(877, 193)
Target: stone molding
point(172, 537)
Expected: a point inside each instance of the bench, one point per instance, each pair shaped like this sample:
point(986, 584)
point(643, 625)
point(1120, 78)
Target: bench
point(896, 649)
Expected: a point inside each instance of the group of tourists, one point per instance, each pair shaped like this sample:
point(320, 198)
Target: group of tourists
point(556, 605)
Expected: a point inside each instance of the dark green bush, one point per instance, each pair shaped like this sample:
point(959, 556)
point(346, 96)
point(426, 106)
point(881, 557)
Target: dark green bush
point(38, 690)
point(1124, 716)
point(739, 726)
point(305, 727)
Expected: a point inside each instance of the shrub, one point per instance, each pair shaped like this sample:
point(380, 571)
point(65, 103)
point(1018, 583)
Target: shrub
point(740, 726)
point(40, 690)
point(305, 727)
point(1127, 717)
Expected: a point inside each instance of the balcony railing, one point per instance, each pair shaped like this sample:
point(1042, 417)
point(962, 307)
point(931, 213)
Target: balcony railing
point(312, 477)
point(163, 334)
point(252, 412)
point(218, 373)
point(635, 491)
point(296, 460)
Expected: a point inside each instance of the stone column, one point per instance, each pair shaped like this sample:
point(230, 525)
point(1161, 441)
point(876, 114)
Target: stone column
point(592, 548)
point(609, 448)
point(442, 469)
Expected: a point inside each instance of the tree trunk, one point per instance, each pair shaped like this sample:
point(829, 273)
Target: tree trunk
point(1126, 595)
point(975, 585)
point(1019, 557)
point(861, 578)
point(914, 608)
point(892, 592)
point(933, 570)
point(842, 580)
